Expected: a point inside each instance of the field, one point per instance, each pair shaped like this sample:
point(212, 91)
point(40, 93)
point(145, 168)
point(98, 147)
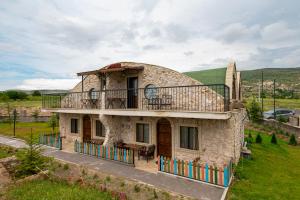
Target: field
point(279, 103)
point(52, 190)
point(271, 174)
point(23, 129)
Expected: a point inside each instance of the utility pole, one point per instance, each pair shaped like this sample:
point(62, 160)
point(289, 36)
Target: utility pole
point(274, 99)
point(262, 91)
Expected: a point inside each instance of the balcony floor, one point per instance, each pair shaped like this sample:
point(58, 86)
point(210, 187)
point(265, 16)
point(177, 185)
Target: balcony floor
point(146, 113)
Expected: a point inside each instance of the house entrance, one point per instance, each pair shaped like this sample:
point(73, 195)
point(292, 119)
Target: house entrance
point(86, 128)
point(164, 138)
point(132, 92)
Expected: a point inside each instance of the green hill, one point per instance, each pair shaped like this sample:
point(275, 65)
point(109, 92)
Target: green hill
point(211, 76)
point(286, 78)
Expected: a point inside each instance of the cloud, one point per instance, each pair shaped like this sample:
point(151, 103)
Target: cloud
point(55, 39)
point(39, 84)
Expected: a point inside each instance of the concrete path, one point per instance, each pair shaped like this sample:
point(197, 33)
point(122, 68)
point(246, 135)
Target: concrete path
point(167, 182)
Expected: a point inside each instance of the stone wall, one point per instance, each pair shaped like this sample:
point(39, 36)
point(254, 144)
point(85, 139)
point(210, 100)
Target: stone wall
point(219, 140)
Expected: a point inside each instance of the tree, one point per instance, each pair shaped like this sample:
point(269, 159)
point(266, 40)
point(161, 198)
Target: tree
point(36, 93)
point(255, 111)
point(53, 122)
point(35, 115)
point(31, 159)
point(293, 140)
point(273, 139)
point(258, 139)
point(14, 94)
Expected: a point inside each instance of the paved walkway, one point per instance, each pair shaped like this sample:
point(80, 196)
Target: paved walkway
point(159, 180)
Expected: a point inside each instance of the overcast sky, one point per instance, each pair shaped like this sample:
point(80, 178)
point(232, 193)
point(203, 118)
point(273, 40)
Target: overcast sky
point(44, 43)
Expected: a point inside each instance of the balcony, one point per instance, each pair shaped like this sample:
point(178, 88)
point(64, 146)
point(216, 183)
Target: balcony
point(194, 98)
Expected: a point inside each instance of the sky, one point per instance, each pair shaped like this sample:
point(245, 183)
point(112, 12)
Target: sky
point(44, 43)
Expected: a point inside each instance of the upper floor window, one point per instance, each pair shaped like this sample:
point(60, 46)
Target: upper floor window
point(142, 133)
point(74, 125)
point(100, 130)
point(189, 138)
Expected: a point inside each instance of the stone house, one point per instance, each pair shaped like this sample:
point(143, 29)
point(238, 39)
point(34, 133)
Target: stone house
point(144, 104)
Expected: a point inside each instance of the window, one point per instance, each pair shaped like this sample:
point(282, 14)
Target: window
point(189, 137)
point(142, 133)
point(100, 130)
point(74, 125)
point(93, 94)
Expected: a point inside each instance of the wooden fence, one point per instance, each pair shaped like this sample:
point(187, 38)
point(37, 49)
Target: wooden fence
point(109, 153)
point(52, 140)
point(214, 175)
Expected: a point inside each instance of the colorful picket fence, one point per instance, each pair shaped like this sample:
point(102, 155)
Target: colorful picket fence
point(52, 140)
point(105, 152)
point(210, 174)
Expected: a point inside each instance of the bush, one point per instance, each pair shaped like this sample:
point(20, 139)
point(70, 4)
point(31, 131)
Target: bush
point(53, 122)
point(31, 159)
point(14, 94)
point(258, 139)
point(36, 93)
point(293, 140)
point(66, 166)
point(282, 119)
point(137, 188)
point(254, 111)
point(273, 139)
point(250, 138)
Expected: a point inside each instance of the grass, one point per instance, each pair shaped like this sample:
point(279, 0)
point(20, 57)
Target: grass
point(23, 129)
point(271, 174)
point(53, 190)
point(6, 151)
point(280, 103)
point(211, 76)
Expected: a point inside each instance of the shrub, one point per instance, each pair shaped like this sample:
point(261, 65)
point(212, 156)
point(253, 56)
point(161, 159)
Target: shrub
point(31, 159)
point(273, 139)
point(36, 93)
point(282, 119)
point(293, 140)
point(107, 179)
point(14, 95)
point(155, 194)
point(137, 188)
point(254, 111)
point(250, 138)
point(258, 139)
point(53, 122)
point(66, 166)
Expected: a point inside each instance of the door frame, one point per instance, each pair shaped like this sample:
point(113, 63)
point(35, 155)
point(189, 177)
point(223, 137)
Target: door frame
point(134, 101)
point(171, 136)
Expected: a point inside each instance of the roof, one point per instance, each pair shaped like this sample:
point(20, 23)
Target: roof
point(115, 67)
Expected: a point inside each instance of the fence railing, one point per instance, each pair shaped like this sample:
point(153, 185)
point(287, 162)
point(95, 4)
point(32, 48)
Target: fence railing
point(201, 98)
point(109, 153)
point(210, 174)
point(52, 140)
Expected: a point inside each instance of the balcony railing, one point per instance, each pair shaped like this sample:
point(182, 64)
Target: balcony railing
point(199, 98)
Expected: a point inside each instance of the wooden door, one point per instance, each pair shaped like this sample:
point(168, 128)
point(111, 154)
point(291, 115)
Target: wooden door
point(86, 128)
point(132, 92)
point(164, 138)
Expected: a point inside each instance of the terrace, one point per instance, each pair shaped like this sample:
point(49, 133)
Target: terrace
point(193, 98)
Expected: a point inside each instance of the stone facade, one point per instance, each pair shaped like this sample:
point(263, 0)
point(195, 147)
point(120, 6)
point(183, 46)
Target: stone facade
point(219, 140)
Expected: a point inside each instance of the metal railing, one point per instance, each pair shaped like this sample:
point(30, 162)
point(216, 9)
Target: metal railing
point(199, 98)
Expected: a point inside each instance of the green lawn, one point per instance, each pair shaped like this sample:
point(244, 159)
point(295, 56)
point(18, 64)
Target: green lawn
point(6, 151)
point(53, 190)
point(23, 129)
point(273, 173)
